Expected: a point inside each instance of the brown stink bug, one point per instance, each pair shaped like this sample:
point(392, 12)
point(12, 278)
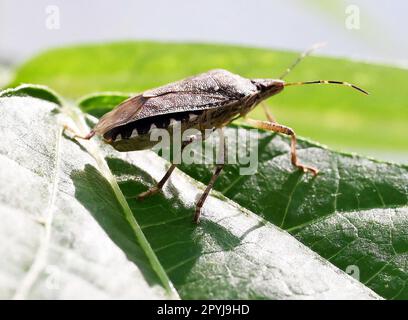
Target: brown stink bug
point(210, 100)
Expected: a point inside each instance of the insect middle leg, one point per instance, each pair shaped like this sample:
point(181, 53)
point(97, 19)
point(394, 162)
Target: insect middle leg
point(217, 171)
point(206, 192)
point(273, 126)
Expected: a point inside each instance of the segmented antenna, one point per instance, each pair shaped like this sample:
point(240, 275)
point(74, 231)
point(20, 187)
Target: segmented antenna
point(343, 83)
point(301, 57)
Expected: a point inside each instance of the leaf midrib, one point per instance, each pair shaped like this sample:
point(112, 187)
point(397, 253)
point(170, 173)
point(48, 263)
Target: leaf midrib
point(79, 119)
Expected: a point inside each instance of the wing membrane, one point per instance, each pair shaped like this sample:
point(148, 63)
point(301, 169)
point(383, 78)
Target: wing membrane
point(204, 91)
point(122, 114)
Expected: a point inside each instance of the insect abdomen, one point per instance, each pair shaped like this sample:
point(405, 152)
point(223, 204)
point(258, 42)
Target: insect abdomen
point(136, 135)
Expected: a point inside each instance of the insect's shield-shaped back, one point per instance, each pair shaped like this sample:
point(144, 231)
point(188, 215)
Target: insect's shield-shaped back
point(208, 147)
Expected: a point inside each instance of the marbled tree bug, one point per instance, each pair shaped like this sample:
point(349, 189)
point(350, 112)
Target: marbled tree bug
point(210, 100)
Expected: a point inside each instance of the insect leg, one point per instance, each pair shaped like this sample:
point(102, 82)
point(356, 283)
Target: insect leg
point(78, 136)
point(218, 169)
point(268, 114)
point(266, 125)
point(200, 202)
point(159, 185)
point(167, 175)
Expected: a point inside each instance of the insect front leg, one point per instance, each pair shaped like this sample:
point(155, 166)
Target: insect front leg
point(273, 126)
point(267, 112)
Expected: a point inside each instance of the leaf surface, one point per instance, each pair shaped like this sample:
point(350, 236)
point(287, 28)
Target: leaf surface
point(63, 212)
point(51, 246)
point(354, 213)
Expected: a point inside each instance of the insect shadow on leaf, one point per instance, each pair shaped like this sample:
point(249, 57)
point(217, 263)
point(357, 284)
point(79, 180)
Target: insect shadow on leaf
point(95, 193)
point(164, 221)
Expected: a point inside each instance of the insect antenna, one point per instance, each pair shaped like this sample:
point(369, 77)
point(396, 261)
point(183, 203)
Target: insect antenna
point(342, 83)
point(301, 57)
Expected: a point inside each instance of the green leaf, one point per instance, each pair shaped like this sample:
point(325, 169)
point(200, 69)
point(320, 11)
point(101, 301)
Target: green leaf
point(52, 246)
point(345, 118)
point(35, 91)
point(98, 104)
point(354, 213)
point(58, 195)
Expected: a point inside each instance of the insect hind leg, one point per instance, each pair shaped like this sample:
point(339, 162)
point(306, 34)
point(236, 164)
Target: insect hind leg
point(75, 135)
point(159, 186)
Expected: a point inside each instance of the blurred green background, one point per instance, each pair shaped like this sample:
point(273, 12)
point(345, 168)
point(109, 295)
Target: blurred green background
point(339, 117)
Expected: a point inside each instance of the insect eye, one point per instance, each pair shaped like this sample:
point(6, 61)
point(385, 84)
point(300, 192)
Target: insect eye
point(263, 84)
point(259, 83)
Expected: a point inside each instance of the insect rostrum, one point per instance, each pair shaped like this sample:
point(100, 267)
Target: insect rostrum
point(210, 100)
